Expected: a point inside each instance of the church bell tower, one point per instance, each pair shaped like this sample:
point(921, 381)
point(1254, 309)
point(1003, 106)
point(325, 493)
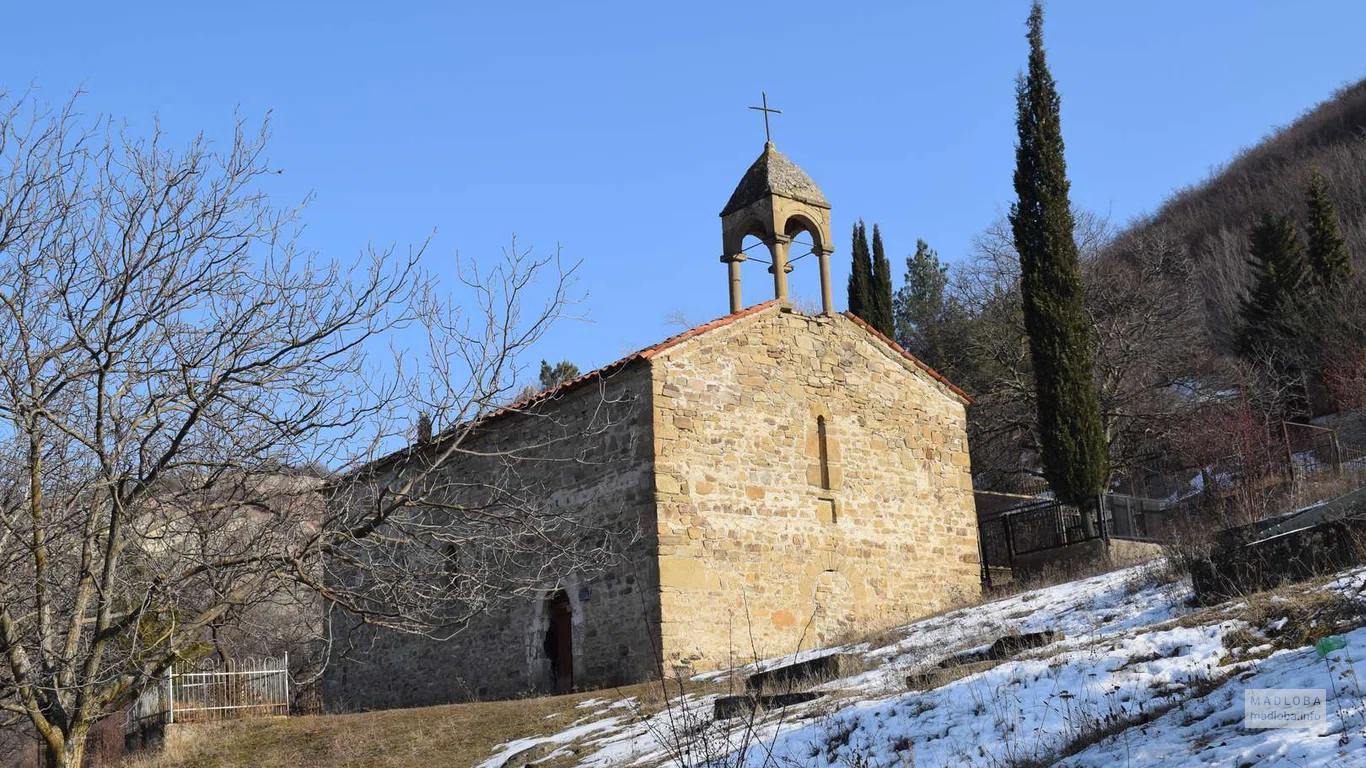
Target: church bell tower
point(775, 201)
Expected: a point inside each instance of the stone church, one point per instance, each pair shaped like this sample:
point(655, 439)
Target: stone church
point(796, 479)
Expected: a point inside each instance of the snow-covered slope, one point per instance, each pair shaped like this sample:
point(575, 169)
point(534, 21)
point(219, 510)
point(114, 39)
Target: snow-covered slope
point(1141, 678)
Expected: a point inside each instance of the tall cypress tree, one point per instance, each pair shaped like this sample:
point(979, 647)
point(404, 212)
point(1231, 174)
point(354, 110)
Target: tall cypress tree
point(882, 319)
point(1329, 261)
point(1279, 277)
point(1071, 438)
point(861, 275)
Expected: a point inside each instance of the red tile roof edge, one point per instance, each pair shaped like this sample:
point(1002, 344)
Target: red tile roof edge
point(642, 354)
point(650, 351)
point(860, 322)
point(612, 367)
point(719, 322)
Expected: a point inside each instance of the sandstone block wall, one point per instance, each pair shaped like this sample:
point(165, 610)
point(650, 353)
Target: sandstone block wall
point(796, 481)
point(615, 614)
point(756, 556)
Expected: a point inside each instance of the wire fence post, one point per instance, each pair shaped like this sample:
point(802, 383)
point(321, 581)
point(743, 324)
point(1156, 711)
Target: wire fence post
point(286, 682)
point(1289, 450)
point(1102, 528)
point(1010, 542)
point(1337, 455)
point(170, 694)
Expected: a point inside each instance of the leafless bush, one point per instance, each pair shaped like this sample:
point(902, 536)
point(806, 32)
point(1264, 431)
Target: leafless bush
point(691, 736)
point(1191, 544)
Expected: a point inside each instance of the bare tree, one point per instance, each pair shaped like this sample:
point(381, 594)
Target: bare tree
point(181, 385)
point(1153, 358)
point(1150, 352)
point(993, 361)
point(992, 353)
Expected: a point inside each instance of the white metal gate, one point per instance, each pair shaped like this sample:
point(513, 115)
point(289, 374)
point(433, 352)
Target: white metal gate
point(237, 688)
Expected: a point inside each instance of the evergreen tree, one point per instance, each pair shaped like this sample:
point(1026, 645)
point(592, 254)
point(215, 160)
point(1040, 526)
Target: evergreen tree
point(1279, 279)
point(920, 306)
point(553, 376)
point(1071, 437)
point(1328, 257)
point(861, 275)
point(883, 319)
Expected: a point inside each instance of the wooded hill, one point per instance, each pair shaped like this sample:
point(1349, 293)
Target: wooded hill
point(1211, 220)
point(1166, 299)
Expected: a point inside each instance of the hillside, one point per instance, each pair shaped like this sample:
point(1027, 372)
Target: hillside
point(1138, 677)
point(1209, 222)
point(1164, 297)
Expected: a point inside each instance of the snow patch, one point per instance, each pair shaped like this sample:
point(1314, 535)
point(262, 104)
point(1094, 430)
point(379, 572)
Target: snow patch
point(1126, 685)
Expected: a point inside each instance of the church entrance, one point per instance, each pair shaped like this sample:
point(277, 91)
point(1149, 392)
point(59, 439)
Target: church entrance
point(559, 643)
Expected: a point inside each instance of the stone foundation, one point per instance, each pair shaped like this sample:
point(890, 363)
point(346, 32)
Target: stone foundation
point(1242, 568)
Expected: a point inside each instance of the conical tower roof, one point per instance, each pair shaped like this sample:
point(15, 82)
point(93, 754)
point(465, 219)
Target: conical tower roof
point(774, 174)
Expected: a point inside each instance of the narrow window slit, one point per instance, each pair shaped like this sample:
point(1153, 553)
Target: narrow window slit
point(824, 449)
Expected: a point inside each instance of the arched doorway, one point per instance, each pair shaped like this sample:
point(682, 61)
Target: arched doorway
point(559, 642)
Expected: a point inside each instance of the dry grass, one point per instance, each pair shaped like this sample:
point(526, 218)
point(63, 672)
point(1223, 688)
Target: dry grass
point(465, 734)
point(453, 735)
point(1311, 613)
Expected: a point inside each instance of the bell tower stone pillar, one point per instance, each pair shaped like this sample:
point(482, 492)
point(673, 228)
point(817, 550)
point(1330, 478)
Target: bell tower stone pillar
point(827, 300)
point(733, 272)
point(779, 246)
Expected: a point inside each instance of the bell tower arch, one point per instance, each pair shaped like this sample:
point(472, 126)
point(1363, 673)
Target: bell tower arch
point(774, 202)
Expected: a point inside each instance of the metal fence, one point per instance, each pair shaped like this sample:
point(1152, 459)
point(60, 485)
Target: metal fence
point(1134, 518)
point(1308, 456)
point(1031, 528)
point(234, 689)
point(1312, 450)
point(1044, 525)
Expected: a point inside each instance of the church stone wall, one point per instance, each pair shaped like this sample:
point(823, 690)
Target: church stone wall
point(615, 614)
point(756, 557)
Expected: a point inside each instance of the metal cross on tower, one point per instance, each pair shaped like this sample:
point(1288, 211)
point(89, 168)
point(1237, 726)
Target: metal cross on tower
point(765, 109)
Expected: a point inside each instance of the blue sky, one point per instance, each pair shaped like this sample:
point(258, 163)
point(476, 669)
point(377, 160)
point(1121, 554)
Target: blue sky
point(617, 130)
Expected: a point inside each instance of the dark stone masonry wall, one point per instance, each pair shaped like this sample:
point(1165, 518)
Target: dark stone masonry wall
point(501, 654)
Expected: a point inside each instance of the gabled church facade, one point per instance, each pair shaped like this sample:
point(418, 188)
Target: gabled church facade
point(795, 479)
